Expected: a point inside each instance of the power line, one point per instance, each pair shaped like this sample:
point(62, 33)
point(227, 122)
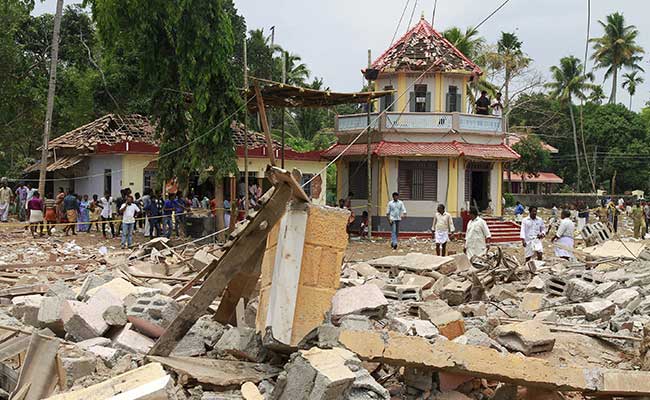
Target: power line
point(400, 22)
point(491, 14)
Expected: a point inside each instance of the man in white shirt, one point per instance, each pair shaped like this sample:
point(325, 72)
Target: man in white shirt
point(395, 211)
point(477, 236)
point(105, 203)
point(564, 236)
point(128, 211)
point(532, 233)
point(442, 226)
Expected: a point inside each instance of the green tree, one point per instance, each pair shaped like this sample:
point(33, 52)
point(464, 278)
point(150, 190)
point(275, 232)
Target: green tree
point(469, 42)
point(260, 55)
point(186, 55)
point(630, 82)
point(534, 158)
point(616, 49)
point(597, 95)
point(569, 82)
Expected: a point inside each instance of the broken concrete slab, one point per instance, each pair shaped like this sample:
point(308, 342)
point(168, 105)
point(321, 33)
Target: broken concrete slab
point(243, 343)
point(132, 341)
point(623, 297)
point(115, 315)
point(423, 282)
point(74, 364)
point(532, 301)
point(148, 382)
point(476, 337)
point(412, 262)
point(482, 362)
point(595, 310)
point(356, 322)
point(219, 373)
point(25, 308)
point(449, 322)
point(50, 314)
point(536, 284)
point(365, 270)
point(462, 262)
point(579, 290)
point(201, 259)
point(81, 321)
point(418, 327)
point(528, 337)
point(365, 299)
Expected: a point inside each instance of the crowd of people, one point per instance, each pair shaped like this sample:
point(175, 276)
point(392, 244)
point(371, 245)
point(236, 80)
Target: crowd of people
point(151, 213)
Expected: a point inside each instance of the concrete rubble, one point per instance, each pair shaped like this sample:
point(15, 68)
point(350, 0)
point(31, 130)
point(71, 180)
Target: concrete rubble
point(405, 326)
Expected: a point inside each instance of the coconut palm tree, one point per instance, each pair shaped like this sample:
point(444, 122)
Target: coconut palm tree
point(630, 82)
point(597, 95)
point(469, 42)
point(616, 49)
point(569, 82)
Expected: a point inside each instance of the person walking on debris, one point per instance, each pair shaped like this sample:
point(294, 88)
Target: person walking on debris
point(564, 236)
point(477, 236)
point(106, 204)
point(5, 200)
point(21, 201)
point(71, 208)
point(532, 233)
point(646, 212)
point(395, 211)
point(35, 206)
point(612, 215)
point(638, 216)
point(128, 211)
point(442, 226)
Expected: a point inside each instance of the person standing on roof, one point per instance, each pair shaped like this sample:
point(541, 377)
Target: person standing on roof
point(477, 235)
point(442, 226)
point(395, 211)
point(532, 233)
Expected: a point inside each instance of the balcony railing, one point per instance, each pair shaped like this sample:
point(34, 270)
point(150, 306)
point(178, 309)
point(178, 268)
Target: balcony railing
point(421, 122)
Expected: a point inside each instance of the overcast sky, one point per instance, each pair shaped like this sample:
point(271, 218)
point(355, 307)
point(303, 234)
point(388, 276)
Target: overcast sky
point(333, 36)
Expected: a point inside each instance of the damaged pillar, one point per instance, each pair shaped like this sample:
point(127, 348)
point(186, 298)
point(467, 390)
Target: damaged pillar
point(300, 271)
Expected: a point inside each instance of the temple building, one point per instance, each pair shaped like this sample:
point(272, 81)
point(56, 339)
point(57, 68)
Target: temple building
point(424, 142)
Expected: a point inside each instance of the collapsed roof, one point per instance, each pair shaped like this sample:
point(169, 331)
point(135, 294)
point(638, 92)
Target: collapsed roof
point(423, 48)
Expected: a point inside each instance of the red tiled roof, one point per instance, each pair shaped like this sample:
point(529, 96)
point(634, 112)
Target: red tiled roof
point(438, 149)
point(543, 177)
point(421, 47)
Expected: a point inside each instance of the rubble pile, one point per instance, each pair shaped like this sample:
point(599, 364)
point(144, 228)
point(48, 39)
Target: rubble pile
point(277, 313)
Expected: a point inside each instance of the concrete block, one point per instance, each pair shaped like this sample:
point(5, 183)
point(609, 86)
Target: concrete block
point(25, 308)
point(578, 289)
point(62, 290)
point(366, 299)
point(402, 292)
point(295, 299)
point(119, 288)
point(532, 301)
point(50, 314)
point(527, 337)
point(595, 310)
point(82, 321)
point(423, 282)
point(440, 284)
point(209, 330)
point(151, 315)
point(456, 293)
point(108, 355)
point(623, 297)
point(98, 341)
point(536, 284)
point(606, 288)
point(317, 374)
point(556, 286)
point(132, 341)
point(115, 315)
point(365, 270)
point(75, 365)
point(450, 323)
point(242, 343)
point(201, 259)
point(92, 281)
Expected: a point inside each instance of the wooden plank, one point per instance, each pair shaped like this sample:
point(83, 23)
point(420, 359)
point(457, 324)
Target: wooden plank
point(240, 287)
point(38, 288)
point(265, 124)
point(13, 347)
point(251, 239)
point(276, 175)
point(8, 378)
point(6, 267)
point(39, 369)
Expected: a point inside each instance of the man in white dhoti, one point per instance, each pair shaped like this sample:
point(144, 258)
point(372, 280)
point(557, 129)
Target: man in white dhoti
point(532, 233)
point(477, 236)
point(5, 200)
point(442, 226)
point(564, 236)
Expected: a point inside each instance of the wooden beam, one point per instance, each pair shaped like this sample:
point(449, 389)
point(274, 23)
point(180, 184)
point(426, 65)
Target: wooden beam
point(241, 286)
point(265, 123)
point(250, 240)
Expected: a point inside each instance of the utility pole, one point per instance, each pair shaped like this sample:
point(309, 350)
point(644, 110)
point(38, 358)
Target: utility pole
point(284, 80)
point(369, 156)
point(50, 97)
point(245, 128)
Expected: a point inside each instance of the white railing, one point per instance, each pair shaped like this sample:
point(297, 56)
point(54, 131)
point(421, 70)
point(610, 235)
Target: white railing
point(441, 122)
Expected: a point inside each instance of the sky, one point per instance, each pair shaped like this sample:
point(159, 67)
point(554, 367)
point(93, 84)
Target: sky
point(333, 36)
